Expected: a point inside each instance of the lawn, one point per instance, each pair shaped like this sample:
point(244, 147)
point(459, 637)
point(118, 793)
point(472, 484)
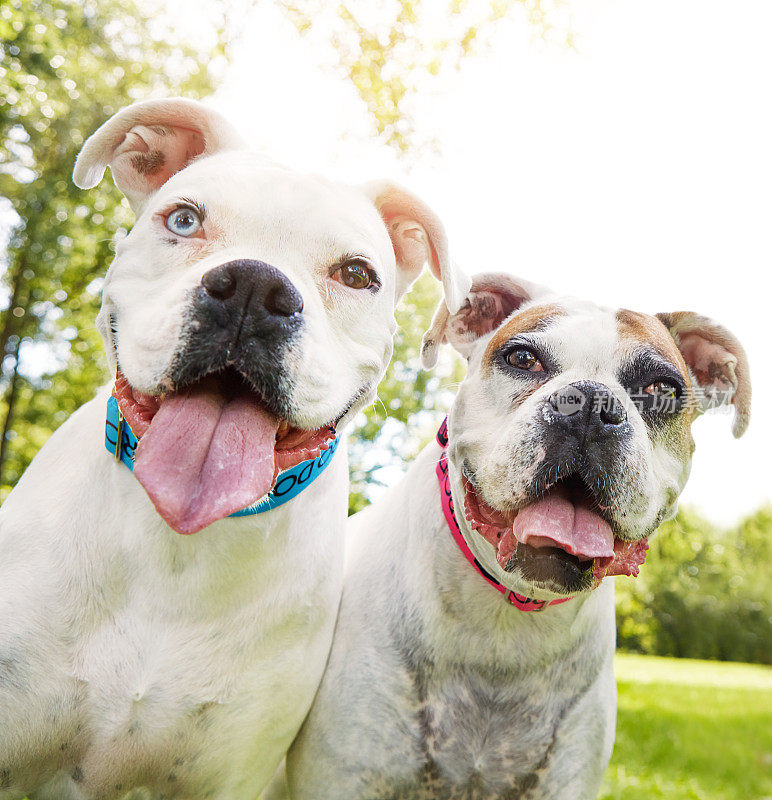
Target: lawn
point(691, 730)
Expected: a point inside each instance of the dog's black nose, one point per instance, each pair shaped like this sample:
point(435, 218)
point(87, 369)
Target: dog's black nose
point(245, 316)
point(587, 409)
point(247, 304)
point(254, 287)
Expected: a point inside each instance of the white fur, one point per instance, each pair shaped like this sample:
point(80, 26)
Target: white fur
point(409, 590)
point(132, 658)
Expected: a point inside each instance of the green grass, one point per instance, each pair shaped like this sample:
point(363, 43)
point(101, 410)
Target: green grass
point(691, 730)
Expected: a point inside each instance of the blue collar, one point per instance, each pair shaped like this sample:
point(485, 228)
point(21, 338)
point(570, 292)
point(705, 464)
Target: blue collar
point(289, 483)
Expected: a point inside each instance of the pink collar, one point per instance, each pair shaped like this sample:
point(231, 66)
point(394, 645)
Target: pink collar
point(517, 600)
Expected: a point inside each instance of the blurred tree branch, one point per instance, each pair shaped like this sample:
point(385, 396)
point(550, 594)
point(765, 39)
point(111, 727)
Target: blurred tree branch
point(392, 51)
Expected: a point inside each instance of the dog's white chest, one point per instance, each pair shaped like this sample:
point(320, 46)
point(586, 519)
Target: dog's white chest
point(169, 717)
point(442, 691)
point(184, 707)
point(176, 665)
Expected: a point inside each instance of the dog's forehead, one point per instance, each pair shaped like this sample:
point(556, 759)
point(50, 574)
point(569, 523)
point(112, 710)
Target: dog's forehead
point(582, 332)
point(240, 187)
point(570, 326)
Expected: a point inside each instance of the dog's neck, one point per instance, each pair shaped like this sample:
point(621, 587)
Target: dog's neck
point(103, 510)
point(466, 619)
point(473, 545)
point(462, 536)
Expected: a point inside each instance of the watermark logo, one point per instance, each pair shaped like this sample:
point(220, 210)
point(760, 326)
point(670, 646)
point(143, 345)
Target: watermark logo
point(568, 400)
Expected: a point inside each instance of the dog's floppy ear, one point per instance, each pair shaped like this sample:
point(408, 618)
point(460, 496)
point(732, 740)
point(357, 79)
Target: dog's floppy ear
point(418, 237)
point(492, 298)
point(146, 143)
point(717, 362)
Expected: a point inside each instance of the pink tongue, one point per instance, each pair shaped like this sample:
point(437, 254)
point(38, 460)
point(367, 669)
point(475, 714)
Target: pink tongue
point(205, 456)
point(554, 521)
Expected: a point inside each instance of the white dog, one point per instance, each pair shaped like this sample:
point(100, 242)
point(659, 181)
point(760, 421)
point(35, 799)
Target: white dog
point(567, 445)
point(247, 317)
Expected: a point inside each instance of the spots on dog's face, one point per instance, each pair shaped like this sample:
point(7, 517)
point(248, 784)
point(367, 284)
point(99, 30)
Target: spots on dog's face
point(5, 778)
point(148, 163)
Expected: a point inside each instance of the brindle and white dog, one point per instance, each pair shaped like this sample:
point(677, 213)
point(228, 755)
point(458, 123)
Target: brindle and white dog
point(567, 445)
point(249, 312)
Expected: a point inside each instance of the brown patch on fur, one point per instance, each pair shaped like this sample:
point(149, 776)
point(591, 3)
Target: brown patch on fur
point(636, 329)
point(148, 163)
point(532, 319)
point(482, 313)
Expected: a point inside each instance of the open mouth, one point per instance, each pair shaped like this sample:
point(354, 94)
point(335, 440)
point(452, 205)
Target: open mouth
point(211, 448)
point(561, 539)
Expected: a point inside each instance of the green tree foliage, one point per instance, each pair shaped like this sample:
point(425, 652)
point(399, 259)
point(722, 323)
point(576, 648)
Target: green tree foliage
point(702, 593)
point(391, 52)
point(66, 66)
point(411, 401)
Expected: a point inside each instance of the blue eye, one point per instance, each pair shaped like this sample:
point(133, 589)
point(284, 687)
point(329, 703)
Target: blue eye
point(183, 222)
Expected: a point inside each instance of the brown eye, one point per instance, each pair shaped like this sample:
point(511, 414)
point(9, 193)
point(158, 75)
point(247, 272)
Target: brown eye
point(355, 275)
point(523, 358)
point(661, 388)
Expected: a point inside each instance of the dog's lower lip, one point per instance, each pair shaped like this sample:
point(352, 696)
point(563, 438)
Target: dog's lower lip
point(551, 566)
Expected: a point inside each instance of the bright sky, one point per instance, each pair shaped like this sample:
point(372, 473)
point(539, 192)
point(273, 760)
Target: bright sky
point(635, 170)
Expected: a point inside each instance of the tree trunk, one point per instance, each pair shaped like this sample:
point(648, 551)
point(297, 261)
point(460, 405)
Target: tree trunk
point(11, 323)
point(11, 402)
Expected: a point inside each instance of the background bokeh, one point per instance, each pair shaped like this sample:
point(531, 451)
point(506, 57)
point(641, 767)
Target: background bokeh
point(616, 149)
